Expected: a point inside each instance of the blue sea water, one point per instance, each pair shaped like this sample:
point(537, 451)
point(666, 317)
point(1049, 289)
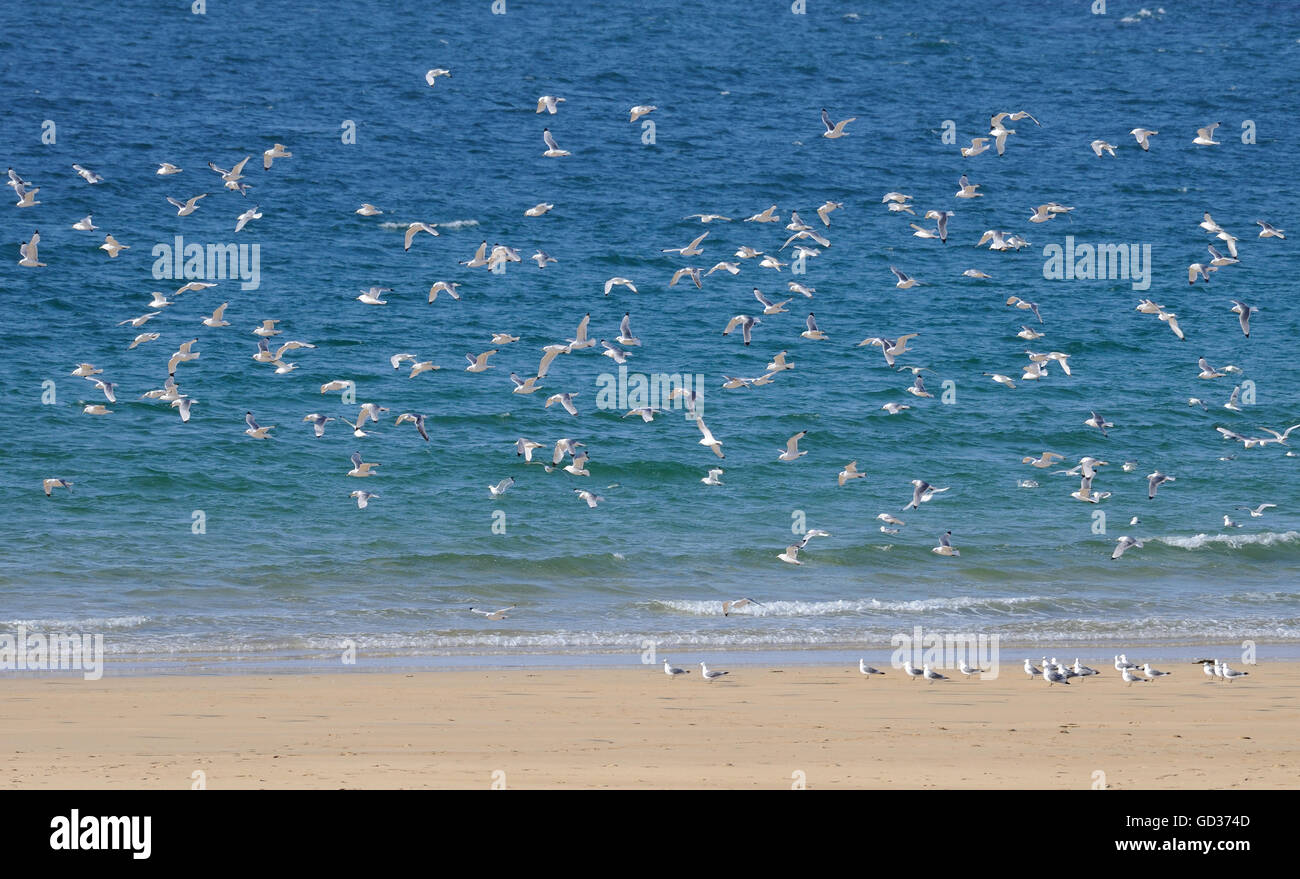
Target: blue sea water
point(289, 566)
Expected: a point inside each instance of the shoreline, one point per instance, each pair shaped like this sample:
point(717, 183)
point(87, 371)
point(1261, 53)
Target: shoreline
point(316, 663)
point(825, 726)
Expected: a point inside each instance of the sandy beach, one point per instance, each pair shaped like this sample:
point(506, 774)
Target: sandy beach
point(759, 727)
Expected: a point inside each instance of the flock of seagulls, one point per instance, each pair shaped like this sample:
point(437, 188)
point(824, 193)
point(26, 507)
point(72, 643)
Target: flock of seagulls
point(807, 240)
point(1048, 670)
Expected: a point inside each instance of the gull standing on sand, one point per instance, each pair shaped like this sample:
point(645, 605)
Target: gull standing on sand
point(912, 671)
point(1130, 678)
point(1154, 673)
point(711, 675)
point(867, 669)
point(673, 671)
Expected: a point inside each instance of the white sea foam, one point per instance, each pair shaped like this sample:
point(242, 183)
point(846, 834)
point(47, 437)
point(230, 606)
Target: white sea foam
point(450, 224)
point(88, 624)
point(1233, 541)
point(828, 608)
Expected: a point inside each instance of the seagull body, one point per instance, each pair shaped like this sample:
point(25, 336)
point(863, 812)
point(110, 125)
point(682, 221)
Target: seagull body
point(673, 671)
point(493, 615)
point(1205, 136)
point(254, 430)
point(591, 498)
point(1154, 481)
point(835, 129)
point(729, 606)
point(549, 104)
point(710, 675)
point(791, 451)
point(112, 247)
point(1099, 146)
point(945, 546)
point(968, 189)
point(868, 670)
point(1243, 312)
point(565, 400)
point(1124, 543)
point(1143, 136)
point(904, 281)
point(552, 148)
point(361, 469)
point(187, 207)
point(813, 332)
point(746, 324)
point(1098, 422)
point(850, 471)
point(478, 362)
point(931, 675)
point(318, 422)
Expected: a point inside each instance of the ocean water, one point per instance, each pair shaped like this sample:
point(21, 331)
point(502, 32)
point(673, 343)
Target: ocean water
point(288, 565)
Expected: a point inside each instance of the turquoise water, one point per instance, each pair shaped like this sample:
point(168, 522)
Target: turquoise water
point(289, 566)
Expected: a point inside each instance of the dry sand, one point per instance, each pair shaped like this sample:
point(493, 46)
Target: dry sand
point(637, 728)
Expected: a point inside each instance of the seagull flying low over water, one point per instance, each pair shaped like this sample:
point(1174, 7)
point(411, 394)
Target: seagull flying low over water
point(729, 606)
point(493, 615)
point(1124, 543)
point(835, 129)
